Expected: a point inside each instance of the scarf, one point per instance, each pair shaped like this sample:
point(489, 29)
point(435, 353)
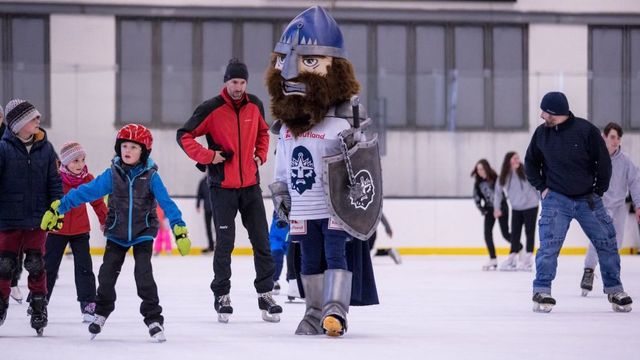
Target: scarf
point(73, 179)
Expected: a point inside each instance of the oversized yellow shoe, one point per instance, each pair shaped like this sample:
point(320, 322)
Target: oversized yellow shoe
point(333, 326)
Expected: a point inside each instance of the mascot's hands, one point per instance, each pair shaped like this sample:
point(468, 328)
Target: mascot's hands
point(52, 220)
point(218, 157)
point(281, 200)
point(184, 244)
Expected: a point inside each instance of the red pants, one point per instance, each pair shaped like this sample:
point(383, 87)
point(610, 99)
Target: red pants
point(32, 244)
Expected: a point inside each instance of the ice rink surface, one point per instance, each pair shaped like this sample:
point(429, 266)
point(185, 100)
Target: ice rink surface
point(432, 307)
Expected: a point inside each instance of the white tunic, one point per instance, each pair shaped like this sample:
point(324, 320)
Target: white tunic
point(299, 164)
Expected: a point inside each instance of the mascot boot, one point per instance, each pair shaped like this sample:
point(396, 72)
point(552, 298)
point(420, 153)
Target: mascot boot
point(310, 323)
point(336, 296)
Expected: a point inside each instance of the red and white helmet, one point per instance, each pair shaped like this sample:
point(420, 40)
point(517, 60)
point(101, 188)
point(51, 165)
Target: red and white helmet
point(135, 133)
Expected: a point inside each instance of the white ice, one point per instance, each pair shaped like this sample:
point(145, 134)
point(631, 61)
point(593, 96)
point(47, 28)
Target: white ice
point(432, 307)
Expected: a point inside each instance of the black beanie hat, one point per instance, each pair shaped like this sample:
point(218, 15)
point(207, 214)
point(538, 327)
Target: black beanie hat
point(236, 70)
point(555, 103)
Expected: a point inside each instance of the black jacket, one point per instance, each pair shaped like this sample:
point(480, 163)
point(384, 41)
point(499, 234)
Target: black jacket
point(570, 158)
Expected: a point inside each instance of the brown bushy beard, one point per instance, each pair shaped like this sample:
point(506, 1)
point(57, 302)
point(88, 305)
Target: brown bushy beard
point(301, 113)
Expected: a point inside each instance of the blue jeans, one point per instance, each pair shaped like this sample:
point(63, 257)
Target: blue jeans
point(557, 212)
point(322, 247)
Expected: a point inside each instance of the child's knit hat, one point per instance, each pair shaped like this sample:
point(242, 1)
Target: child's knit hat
point(71, 151)
point(19, 113)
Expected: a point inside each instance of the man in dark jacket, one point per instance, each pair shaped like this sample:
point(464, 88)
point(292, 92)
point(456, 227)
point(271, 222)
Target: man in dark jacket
point(204, 196)
point(29, 182)
point(238, 138)
point(568, 162)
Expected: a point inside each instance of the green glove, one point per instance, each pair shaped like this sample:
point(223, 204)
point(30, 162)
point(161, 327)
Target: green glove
point(52, 220)
point(184, 244)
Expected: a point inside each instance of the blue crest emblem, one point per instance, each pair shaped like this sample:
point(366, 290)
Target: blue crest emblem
point(303, 173)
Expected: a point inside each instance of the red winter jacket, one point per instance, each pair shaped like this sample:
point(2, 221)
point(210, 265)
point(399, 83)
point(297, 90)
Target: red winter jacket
point(241, 132)
point(76, 221)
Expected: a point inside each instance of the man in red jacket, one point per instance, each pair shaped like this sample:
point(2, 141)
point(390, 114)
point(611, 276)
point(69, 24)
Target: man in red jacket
point(238, 142)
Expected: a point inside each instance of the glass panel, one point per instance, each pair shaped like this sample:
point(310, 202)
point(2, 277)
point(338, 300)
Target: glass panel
point(467, 87)
point(217, 49)
point(257, 45)
point(28, 49)
point(355, 42)
point(430, 76)
point(392, 74)
point(177, 71)
point(606, 91)
point(134, 93)
point(508, 97)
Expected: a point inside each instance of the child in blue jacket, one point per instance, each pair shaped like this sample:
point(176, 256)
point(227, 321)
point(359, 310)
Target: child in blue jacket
point(134, 188)
point(29, 182)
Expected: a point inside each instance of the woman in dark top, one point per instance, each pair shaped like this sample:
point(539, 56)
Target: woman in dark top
point(485, 180)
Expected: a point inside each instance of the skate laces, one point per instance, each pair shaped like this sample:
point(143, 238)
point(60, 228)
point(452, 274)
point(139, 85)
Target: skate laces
point(224, 300)
point(619, 295)
point(99, 320)
point(267, 298)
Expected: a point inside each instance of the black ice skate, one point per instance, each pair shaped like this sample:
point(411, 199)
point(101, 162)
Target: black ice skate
point(96, 325)
point(586, 284)
point(3, 311)
point(222, 304)
point(156, 331)
point(39, 313)
point(270, 310)
point(620, 301)
point(543, 302)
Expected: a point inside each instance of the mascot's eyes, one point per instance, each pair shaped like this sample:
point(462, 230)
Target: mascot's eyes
point(279, 62)
point(310, 62)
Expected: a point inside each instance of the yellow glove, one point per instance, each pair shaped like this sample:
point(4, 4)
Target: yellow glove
point(184, 244)
point(52, 220)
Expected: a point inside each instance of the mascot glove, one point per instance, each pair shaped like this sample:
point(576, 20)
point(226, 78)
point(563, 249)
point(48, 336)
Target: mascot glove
point(281, 200)
point(52, 220)
point(184, 244)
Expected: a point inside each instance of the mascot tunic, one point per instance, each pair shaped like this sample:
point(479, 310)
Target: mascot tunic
point(309, 82)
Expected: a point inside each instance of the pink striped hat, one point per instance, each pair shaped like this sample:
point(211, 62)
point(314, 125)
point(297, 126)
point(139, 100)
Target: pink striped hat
point(71, 151)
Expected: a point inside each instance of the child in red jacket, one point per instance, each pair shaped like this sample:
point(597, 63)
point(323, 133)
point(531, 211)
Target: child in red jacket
point(75, 232)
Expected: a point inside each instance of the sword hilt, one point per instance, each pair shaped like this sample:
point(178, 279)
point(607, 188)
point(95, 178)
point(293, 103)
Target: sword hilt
point(355, 108)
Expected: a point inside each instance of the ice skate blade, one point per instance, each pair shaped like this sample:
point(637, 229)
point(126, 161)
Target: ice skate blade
point(490, 268)
point(274, 318)
point(92, 336)
point(511, 269)
point(527, 269)
point(542, 308)
point(40, 332)
point(333, 326)
point(585, 292)
point(223, 318)
point(621, 308)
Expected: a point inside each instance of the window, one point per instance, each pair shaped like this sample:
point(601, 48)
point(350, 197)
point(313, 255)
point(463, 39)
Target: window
point(24, 54)
point(167, 67)
point(614, 89)
point(470, 77)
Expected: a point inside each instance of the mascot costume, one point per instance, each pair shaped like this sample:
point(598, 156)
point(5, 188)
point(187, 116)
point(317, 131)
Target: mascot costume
point(327, 174)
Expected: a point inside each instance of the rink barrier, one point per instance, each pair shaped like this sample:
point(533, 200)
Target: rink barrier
point(245, 251)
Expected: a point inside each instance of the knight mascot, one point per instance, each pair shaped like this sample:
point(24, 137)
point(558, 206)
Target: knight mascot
point(327, 175)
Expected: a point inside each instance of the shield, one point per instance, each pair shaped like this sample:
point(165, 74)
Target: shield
point(355, 197)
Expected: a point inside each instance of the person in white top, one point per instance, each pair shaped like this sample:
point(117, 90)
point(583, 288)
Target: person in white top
point(625, 178)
